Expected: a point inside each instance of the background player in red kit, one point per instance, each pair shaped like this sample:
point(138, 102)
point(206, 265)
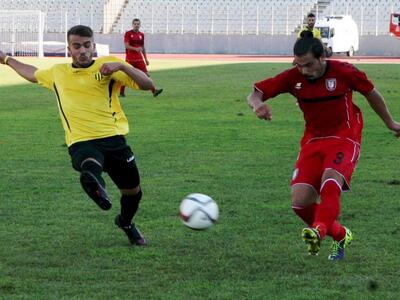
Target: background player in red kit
point(330, 146)
point(136, 53)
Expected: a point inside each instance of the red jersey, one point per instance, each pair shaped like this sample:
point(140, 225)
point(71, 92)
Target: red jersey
point(326, 102)
point(135, 39)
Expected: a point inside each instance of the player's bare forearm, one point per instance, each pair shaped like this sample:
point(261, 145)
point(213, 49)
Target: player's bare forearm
point(377, 102)
point(145, 56)
point(141, 79)
point(24, 70)
point(255, 101)
point(137, 49)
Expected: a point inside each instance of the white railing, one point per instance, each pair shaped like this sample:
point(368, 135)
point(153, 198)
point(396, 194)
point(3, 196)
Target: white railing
point(234, 17)
point(265, 17)
point(111, 10)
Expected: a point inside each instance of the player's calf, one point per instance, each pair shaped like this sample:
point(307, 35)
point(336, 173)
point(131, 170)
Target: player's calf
point(95, 190)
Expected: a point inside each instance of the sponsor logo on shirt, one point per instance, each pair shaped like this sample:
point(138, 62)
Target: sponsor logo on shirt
point(330, 84)
point(98, 76)
point(298, 86)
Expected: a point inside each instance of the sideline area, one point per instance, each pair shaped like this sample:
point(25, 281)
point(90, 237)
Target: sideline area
point(262, 58)
point(270, 58)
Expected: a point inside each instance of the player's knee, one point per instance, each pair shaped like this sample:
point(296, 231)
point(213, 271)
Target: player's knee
point(83, 154)
point(303, 195)
point(331, 174)
point(298, 200)
point(90, 163)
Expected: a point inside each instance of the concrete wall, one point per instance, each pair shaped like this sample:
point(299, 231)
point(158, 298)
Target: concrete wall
point(379, 45)
point(215, 44)
point(237, 44)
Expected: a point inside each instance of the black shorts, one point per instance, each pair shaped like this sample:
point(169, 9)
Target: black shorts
point(114, 154)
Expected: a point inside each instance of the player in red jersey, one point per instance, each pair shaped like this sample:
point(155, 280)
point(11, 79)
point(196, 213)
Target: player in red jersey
point(330, 145)
point(136, 53)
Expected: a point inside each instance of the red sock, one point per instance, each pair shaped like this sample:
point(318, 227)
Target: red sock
point(336, 231)
point(306, 213)
point(329, 208)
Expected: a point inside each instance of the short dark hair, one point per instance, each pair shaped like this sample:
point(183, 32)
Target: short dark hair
point(80, 30)
point(307, 43)
point(135, 20)
point(310, 15)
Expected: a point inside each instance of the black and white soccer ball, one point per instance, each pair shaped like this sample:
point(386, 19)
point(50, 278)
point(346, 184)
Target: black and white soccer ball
point(198, 211)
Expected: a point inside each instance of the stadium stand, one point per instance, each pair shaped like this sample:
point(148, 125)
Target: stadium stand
point(216, 17)
point(372, 17)
point(192, 26)
point(206, 16)
point(87, 12)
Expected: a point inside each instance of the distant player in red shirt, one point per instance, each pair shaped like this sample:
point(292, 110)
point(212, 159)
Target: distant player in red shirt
point(136, 53)
point(330, 146)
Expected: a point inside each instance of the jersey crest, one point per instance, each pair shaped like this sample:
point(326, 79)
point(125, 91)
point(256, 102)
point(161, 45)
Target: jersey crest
point(330, 84)
point(298, 86)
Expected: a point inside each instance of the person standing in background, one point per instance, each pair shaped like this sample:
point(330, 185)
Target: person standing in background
point(310, 27)
point(136, 54)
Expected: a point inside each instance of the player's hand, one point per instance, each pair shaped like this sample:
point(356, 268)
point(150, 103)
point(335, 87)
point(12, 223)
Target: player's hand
point(2, 57)
point(264, 112)
point(108, 68)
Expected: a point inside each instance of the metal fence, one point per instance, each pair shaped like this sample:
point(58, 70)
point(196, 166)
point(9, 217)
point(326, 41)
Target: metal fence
point(265, 17)
point(215, 17)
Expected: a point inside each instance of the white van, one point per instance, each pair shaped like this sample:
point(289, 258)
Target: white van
point(339, 34)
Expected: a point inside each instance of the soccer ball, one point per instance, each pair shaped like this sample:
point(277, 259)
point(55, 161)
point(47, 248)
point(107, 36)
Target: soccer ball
point(198, 211)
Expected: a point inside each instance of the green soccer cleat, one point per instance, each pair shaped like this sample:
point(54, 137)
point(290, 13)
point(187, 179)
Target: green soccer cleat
point(312, 239)
point(338, 247)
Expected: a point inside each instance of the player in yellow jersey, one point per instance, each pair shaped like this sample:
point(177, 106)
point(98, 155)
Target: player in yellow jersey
point(310, 27)
point(311, 19)
point(94, 122)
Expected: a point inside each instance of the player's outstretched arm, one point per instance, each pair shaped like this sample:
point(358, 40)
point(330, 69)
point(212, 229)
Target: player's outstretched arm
point(145, 56)
point(262, 110)
point(141, 79)
point(24, 70)
point(377, 102)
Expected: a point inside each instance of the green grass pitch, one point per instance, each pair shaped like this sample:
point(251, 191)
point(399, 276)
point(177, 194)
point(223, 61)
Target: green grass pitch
point(198, 136)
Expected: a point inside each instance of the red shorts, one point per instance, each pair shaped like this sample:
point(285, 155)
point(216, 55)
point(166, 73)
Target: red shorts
point(139, 64)
point(316, 157)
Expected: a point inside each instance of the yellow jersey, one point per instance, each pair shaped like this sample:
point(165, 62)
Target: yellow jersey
point(315, 31)
point(88, 101)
